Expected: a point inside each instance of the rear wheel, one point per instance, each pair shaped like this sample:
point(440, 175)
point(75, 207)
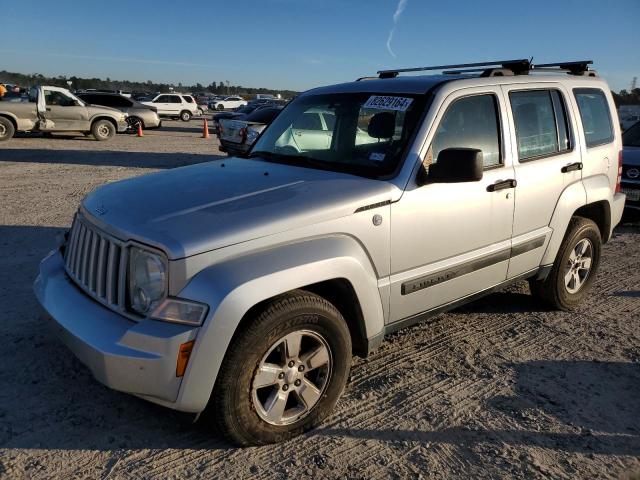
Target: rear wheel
point(7, 130)
point(284, 372)
point(575, 267)
point(103, 130)
point(185, 116)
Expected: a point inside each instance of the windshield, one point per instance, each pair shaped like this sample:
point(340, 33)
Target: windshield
point(631, 136)
point(362, 133)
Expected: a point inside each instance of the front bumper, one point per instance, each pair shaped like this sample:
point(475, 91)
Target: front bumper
point(133, 357)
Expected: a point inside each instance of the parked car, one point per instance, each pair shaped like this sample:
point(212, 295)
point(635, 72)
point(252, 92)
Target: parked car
point(249, 291)
point(631, 166)
point(237, 136)
point(237, 114)
point(174, 105)
point(229, 103)
point(629, 120)
point(55, 109)
point(139, 96)
point(267, 101)
point(145, 115)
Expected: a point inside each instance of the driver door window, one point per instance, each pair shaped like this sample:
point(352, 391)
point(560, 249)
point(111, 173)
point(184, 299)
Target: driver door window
point(52, 97)
point(470, 122)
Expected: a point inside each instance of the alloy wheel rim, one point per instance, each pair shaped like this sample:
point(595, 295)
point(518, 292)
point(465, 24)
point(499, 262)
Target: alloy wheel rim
point(291, 377)
point(103, 131)
point(578, 266)
point(3, 130)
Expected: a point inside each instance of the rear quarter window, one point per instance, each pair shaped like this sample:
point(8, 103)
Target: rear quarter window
point(595, 116)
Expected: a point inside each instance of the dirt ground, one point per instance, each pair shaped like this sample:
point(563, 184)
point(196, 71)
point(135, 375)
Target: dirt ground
point(500, 388)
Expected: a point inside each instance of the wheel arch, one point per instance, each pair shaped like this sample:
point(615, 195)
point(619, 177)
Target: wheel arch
point(335, 268)
point(104, 117)
point(12, 119)
point(591, 199)
point(600, 213)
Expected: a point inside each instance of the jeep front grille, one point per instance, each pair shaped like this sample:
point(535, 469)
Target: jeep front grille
point(97, 262)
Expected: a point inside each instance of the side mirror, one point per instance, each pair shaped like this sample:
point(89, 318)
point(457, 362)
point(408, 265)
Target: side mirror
point(456, 165)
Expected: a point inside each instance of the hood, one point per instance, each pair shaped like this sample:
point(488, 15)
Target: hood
point(203, 207)
point(631, 156)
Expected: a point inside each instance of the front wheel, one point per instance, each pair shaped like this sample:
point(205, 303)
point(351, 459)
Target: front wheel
point(284, 372)
point(220, 107)
point(7, 129)
point(132, 124)
point(575, 267)
point(103, 130)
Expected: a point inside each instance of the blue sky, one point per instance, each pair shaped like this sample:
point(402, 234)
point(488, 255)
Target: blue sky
point(299, 44)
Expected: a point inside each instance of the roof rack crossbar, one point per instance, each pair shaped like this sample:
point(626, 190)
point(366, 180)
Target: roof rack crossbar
point(517, 64)
point(574, 67)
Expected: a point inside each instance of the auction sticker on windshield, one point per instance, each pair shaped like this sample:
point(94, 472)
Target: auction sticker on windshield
point(380, 102)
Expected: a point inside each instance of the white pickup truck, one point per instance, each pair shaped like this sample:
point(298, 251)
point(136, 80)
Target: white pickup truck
point(55, 109)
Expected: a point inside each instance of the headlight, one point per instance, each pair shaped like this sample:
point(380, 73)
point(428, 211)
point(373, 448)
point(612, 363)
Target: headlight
point(123, 117)
point(147, 280)
point(148, 291)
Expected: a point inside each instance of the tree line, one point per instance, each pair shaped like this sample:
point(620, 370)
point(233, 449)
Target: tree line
point(627, 98)
point(623, 97)
point(80, 83)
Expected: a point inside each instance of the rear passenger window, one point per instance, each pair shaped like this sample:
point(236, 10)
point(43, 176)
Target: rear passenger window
point(541, 123)
point(470, 122)
point(188, 99)
point(594, 113)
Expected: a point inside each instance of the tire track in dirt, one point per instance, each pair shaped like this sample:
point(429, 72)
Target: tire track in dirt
point(458, 392)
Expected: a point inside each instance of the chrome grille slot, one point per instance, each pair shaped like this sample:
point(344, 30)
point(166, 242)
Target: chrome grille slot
point(97, 263)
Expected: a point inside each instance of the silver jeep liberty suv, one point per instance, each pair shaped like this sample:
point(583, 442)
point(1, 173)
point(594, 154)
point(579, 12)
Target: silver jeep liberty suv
point(245, 285)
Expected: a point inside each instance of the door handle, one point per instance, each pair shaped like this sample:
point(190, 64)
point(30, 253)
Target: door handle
point(571, 167)
point(501, 185)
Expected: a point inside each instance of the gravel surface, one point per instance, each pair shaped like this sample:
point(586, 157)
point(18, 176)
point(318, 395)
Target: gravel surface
point(500, 388)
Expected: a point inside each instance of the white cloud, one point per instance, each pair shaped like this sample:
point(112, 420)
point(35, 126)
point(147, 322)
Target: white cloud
point(396, 17)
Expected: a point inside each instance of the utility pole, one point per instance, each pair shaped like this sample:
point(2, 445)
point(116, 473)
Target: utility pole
point(634, 82)
point(227, 87)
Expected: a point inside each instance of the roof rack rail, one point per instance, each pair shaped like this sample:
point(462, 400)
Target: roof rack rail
point(500, 68)
point(518, 65)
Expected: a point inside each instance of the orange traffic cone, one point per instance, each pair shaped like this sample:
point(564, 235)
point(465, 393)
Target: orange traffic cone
point(140, 130)
point(205, 129)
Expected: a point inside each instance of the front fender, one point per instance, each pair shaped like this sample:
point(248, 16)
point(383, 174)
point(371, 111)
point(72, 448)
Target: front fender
point(232, 287)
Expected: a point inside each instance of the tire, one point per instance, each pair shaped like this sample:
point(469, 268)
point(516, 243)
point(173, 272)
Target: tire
point(133, 124)
point(240, 408)
point(103, 130)
point(220, 107)
point(185, 116)
point(7, 130)
point(569, 280)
